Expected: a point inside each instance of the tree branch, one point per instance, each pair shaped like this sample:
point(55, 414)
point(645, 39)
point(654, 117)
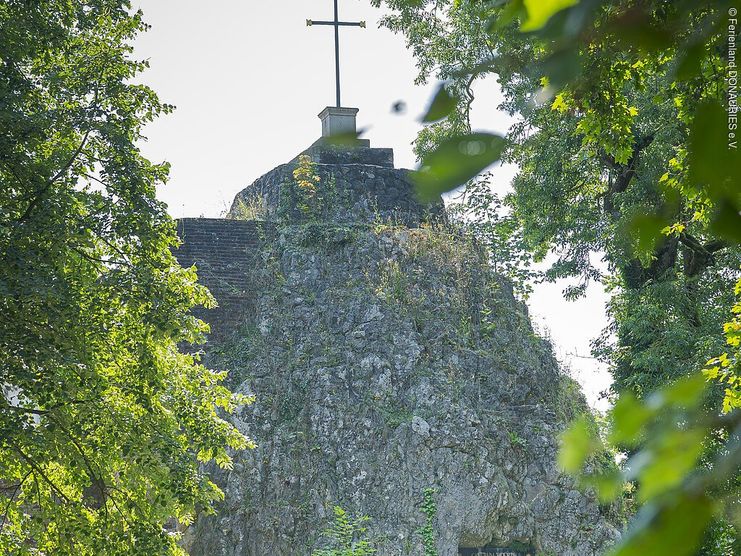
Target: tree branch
point(625, 172)
point(39, 195)
point(39, 471)
point(12, 497)
point(701, 255)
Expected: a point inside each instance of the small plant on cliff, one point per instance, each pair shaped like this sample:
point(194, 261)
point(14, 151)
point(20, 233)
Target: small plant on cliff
point(347, 536)
point(516, 439)
point(306, 181)
point(392, 280)
point(309, 197)
point(427, 531)
point(251, 208)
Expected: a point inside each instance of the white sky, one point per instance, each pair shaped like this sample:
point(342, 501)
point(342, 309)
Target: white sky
point(248, 79)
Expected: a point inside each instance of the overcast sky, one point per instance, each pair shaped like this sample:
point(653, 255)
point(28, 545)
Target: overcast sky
point(248, 79)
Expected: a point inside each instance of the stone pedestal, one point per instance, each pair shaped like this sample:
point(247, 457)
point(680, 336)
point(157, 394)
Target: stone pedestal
point(338, 121)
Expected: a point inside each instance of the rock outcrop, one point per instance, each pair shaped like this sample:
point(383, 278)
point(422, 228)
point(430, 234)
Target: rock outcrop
point(387, 360)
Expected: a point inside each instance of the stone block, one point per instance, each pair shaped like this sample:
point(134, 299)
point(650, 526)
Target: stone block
point(338, 121)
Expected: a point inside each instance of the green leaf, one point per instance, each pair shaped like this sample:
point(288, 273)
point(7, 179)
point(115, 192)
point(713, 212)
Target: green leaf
point(347, 139)
point(441, 106)
point(647, 229)
point(561, 67)
point(674, 528)
point(511, 11)
point(455, 161)
point(608, 485)
point(671, 457)
point(713, 165)
point(727, 221)
point(629, 416)
point(540, 11)
point(686, 392)
point(690, 62)
point(635, 28)
point(578, 442)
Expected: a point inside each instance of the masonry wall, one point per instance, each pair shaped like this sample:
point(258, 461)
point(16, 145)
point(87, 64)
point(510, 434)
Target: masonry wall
point(224, 252)
point(364, 192)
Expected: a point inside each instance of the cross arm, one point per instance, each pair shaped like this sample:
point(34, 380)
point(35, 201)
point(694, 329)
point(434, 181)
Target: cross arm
point(310, 22)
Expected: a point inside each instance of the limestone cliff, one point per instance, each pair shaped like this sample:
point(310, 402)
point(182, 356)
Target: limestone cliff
point(385, 360)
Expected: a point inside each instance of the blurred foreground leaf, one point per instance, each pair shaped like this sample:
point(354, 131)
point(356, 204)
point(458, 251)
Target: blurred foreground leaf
point(670, 429)
point(540, 11)
point(646, 228)
point(667, 462)
point(349, 139)
point(673, 528)
point(578, 442)
point(442, 104)
point(629, 416)
point(455, 161)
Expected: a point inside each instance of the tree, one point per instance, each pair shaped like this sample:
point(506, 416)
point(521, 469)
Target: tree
point(625, 149)
point(103, 420)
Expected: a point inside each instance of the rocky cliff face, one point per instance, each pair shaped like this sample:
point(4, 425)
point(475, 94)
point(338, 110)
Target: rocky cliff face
point(386, 361)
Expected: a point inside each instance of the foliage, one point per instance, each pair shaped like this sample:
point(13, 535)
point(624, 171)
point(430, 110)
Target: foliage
point(480, 212)
point(306, 181)
point(251, 208)
point(427, 531)
point(309, 197)
point(666, 433)
point(516, 439)
point(626, 148)
point(726, 368)
point(347, 536)
point(104, 422)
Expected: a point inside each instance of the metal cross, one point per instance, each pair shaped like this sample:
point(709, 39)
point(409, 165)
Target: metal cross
point(336, 24)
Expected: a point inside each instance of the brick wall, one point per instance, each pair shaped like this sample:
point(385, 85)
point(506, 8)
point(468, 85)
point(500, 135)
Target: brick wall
point(224, 252)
